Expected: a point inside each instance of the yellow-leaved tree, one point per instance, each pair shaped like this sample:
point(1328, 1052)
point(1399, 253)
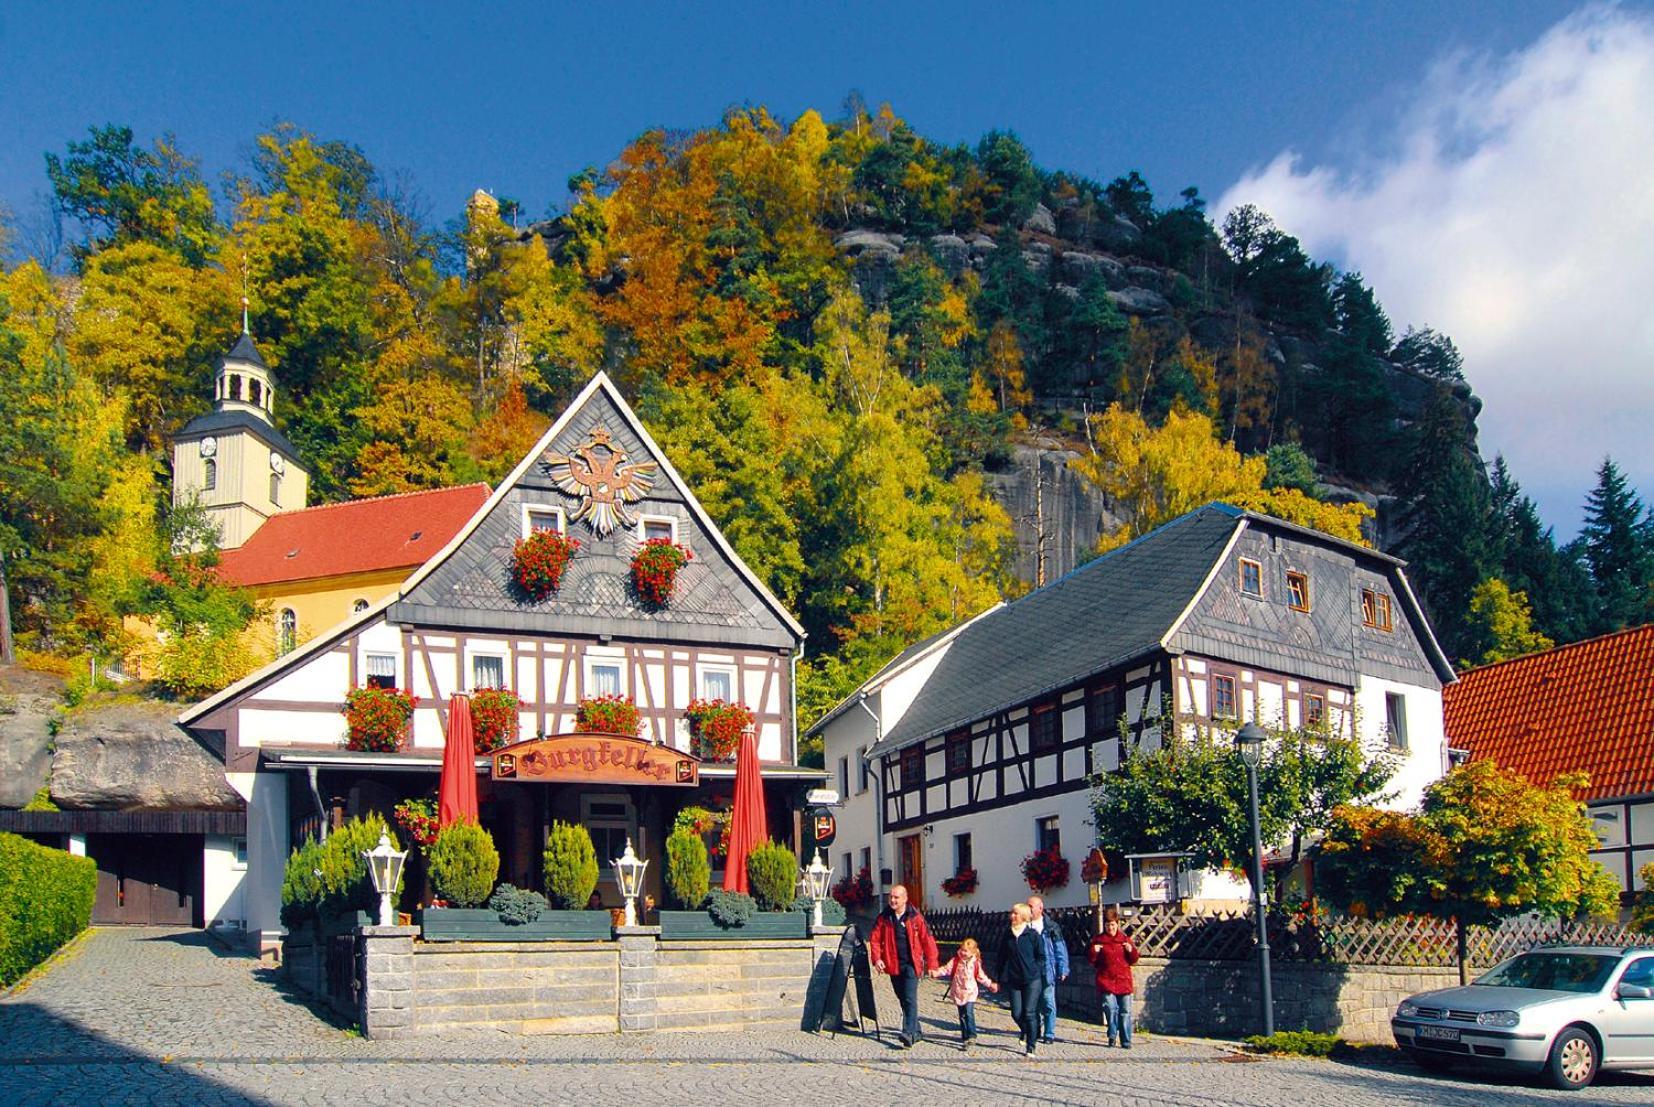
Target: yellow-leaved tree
point(1150, 475)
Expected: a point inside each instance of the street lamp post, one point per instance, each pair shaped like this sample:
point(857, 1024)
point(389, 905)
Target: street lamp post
point(629, 875)
point(1249, 744)
point(385, 868)
point(816, 879)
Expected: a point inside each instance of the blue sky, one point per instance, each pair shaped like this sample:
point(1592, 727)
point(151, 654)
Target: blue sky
point(515, 97)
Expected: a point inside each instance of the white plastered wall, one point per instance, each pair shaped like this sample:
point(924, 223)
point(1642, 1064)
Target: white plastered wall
point(222, 877)
point(1425, 759)
point(267, 850)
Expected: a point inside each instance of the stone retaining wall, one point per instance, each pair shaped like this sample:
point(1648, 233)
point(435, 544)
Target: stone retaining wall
point(407, 988)
point(1220, 999)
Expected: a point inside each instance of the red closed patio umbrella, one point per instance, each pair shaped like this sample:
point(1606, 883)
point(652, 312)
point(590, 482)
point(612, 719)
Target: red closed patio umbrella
point(457, 795)
point(748, 823)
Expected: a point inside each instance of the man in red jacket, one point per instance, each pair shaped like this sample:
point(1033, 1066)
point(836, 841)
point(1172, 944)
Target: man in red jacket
point(902, 946)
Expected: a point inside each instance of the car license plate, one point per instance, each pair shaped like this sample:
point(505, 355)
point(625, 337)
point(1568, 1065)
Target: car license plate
point(1439, 1033)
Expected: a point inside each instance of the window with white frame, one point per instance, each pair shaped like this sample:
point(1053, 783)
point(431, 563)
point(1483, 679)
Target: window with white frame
point(718, 684)
point(652, 527)
point(487, 671)
point(1395, 720)
point(238, 847)
point(542, 517)
point(844, 776)
point(605, 676)
point(611, 820)
point(1047, 833)
point(381, 670)
point(862, 769)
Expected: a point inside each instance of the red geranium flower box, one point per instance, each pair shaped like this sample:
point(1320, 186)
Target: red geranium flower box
point(376, 719)
point(655, 570)
point(538, 561)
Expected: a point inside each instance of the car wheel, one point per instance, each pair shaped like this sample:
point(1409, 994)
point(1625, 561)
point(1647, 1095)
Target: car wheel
point(1573, 1060)
point(1429, 1060)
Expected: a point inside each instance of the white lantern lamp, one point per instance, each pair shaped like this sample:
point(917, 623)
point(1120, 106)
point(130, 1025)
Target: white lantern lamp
point(385, 867)
point(817, 879)
point(629, 875)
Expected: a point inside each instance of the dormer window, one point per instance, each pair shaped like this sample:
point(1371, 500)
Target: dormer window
point(1251, 577)
point(1297, 589)
point(1375, 610)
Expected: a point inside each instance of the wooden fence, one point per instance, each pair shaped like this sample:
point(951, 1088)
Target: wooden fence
point(1231, 936)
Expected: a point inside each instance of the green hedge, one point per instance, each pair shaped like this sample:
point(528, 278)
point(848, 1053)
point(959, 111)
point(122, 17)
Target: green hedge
point(45, 899)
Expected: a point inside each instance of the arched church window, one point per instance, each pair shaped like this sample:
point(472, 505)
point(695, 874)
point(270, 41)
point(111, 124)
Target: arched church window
point(275, 489)
point(210, 480)
point(258, 393)
point(287, 631)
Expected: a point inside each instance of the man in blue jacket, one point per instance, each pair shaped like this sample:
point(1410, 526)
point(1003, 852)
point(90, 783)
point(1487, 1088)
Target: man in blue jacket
point(1056, 967)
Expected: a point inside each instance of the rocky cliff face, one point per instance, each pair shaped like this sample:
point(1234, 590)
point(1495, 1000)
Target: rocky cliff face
point(1056, 512)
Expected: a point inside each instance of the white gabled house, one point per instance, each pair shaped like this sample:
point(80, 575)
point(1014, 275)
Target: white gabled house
point(978, 746)
point(457, 625)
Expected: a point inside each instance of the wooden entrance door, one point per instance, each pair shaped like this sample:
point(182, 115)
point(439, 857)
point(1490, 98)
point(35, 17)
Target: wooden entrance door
point(911, 871)
point(146, 879)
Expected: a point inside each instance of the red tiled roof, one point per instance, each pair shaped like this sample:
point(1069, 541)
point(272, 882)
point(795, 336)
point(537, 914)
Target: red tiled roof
point(358, 536)
point(1587, 706)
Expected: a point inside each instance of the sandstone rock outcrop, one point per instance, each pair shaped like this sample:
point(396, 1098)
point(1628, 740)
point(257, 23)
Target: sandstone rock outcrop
point(131, 756)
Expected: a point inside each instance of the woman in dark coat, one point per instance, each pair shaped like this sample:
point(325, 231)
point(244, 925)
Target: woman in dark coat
point(1021, 971)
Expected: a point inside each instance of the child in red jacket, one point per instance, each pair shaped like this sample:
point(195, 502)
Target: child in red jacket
point(1114, 953)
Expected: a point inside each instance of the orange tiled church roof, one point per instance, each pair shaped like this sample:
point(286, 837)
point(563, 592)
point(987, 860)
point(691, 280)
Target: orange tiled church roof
point(1587, 706)
point(357, 536)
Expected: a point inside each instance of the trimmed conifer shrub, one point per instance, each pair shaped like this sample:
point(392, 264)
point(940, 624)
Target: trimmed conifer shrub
point(464, 864)
point(327, 879)
point(571, 866)
point(688, 870)
point(772, 874)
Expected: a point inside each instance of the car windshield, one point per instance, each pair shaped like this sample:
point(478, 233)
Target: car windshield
point(1554, 972)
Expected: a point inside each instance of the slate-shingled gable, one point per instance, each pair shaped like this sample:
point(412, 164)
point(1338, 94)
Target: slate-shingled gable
point(471, 587)
point(1099, 616)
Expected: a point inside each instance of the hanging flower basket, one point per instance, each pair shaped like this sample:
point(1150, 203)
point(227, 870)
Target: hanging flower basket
point(655, 570)
point(377, 718)
point(717, 727)
point(608, 715)
point(703, 821)
point(538, 561)
point(493, 719)
point(1045, 869)
point(961, 883)
point(418, 817)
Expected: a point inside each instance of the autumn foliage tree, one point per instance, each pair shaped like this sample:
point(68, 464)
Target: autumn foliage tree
point(1485, 846)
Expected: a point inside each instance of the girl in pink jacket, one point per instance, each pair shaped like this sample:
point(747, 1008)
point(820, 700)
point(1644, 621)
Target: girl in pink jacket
point(964, 972)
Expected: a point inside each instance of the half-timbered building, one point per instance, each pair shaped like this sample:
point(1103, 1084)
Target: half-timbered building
point(977, 747)
point(460, 623)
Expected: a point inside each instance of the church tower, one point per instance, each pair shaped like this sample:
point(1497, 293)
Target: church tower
point(234, 458)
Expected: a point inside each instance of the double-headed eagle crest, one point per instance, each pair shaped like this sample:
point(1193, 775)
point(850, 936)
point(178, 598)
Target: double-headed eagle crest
point(599, 474)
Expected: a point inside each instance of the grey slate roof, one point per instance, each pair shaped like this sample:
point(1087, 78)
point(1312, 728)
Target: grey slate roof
point(245, 350)
point(217, 422)
point(1101, 615)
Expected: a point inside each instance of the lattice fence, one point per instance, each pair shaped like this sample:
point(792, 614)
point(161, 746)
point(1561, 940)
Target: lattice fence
point(1230, 936)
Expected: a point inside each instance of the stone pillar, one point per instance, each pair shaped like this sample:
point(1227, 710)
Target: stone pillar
point(384, 975)
point(637, 976)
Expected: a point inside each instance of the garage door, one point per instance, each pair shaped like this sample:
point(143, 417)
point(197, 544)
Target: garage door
point(147, 879)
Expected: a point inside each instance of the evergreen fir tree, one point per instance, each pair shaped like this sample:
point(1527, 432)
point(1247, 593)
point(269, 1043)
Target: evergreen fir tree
point(1444, 512)
point(1617, 542)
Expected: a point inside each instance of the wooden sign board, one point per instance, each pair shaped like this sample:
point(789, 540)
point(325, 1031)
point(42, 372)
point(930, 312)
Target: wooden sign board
point(595, 759)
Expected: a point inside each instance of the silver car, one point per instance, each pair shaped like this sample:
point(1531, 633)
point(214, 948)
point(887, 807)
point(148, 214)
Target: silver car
point(1566, 1011)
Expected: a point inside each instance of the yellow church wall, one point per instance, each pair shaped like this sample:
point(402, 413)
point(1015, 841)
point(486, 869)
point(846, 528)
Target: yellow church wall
point(322, 602)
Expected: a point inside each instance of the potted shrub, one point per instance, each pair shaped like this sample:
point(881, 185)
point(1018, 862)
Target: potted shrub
point(464, 864)
point(717, 727)
point(326, 883)
point(538, 561)
point(493, 718)
point(608, 714)
point(772, 874)
point(376, 719)
point(688, 870)
point(571, 866)
point(1045, 869)
point(961, 883)
point(655, 570)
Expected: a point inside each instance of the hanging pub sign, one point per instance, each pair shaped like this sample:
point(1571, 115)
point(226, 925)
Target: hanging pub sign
point(595, 759)
point(823, 827)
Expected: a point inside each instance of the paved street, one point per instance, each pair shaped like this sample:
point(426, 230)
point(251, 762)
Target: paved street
point(161, 1017)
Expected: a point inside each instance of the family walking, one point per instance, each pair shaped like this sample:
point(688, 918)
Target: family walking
point(1032, 960)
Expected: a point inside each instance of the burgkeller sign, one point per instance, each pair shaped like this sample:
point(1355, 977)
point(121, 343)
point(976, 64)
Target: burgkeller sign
point(595, 759)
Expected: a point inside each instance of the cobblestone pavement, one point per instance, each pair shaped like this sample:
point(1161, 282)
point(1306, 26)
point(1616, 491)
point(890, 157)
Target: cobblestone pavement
point(146, 1016)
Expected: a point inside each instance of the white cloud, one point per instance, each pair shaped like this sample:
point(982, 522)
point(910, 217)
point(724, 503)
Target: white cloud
point(1514, 211)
